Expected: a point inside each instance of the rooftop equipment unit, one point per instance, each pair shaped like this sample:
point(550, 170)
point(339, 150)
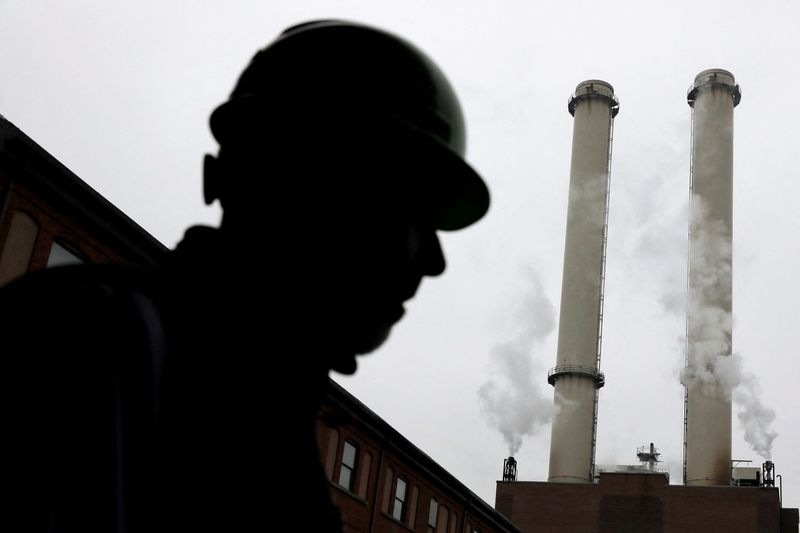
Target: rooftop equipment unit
point(746, 476)
point(510, 469)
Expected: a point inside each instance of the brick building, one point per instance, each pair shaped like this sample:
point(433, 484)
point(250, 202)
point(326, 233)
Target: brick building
point(383, 483)
point(50, 217)
point(642, 503)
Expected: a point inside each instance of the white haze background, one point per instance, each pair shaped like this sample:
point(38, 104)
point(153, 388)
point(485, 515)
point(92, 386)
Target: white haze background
point(120, 92)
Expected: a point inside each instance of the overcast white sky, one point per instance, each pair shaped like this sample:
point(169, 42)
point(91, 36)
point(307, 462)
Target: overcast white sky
point(120, 92)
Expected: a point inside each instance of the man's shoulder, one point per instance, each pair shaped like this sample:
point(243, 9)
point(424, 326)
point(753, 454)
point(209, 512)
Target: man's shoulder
point(78, 280)
point(69, 332)
point(74, 300)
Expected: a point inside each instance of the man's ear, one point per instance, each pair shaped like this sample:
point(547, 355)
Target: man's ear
point(211, 179)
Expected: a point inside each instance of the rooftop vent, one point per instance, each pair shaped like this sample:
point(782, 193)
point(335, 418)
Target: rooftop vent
point(510, 469)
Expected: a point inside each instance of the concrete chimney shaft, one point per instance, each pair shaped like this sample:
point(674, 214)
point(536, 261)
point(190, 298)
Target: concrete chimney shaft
point(576, 376)
point(707, 456)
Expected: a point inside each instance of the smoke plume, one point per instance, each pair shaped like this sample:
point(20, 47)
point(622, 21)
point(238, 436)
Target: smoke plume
point(711, 366)
point(709, 319)
point(512, 399)
point(587, 201)
point(754, 417)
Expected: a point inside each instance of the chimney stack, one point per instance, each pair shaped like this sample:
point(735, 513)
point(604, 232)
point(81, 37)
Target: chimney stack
point(707, 406)
point(576, 376)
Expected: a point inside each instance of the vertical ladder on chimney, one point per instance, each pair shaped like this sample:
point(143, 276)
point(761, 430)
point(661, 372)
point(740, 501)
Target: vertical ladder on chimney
point(688, 310)
point(601, 303)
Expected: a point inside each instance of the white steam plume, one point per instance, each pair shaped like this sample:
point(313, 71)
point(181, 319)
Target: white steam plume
point(512, 399)
point(711, 366)
point(754, 417)
point(709, 321)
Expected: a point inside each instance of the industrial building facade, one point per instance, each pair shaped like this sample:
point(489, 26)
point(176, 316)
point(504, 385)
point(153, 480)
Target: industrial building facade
point(380, 481)
point(642, 503)
point(49, 217)
point(578, 496)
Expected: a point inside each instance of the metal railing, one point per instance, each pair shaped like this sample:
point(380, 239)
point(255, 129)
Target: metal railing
point(576, 370)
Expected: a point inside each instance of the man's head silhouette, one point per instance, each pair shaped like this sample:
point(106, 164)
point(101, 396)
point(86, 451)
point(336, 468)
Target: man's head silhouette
point(160, 397)
point(341, 148)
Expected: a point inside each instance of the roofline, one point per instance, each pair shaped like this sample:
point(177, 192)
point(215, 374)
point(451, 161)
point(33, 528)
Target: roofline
point(400, 445)
point(30, 164)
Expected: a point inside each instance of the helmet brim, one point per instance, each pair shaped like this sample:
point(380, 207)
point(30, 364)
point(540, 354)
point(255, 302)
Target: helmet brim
point(459, 195)
point(425, 168)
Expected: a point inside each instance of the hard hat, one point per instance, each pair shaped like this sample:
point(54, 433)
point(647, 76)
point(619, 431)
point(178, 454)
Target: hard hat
point(334, 83)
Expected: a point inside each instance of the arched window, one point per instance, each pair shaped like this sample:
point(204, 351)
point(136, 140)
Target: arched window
point(387, 489)
point(330, 453)
point(441, 524)
point(411, 512)
point(15, 257)
point(363, 477)
point(453, 522)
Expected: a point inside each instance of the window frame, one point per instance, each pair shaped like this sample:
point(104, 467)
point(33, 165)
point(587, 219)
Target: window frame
point(403, 501)
point(433, 513)
point(350, 469)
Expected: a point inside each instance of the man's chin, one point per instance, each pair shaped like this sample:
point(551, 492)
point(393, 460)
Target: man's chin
point(344, 361)
point(345, 365)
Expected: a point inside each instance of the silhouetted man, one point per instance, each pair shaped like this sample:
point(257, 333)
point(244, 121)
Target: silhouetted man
point(184, 397)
